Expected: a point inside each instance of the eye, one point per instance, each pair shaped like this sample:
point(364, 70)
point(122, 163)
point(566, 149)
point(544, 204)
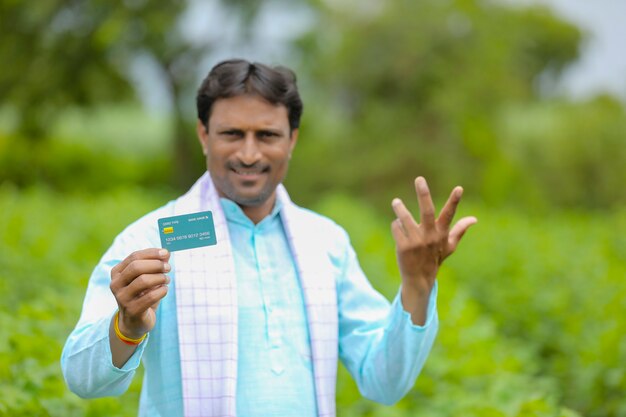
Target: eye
point(267, 134)
point(231, 133)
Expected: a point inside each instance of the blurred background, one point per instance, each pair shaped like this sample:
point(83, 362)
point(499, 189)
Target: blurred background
point(521, 102)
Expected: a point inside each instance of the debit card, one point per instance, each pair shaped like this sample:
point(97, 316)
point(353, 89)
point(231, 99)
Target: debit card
point(187, 231)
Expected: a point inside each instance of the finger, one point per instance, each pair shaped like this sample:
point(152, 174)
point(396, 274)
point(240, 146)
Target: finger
point(142, 285)
point(398, 232)
point(138, 268)
point(448, 211)
point(150, 253)
point(156, 305)
point(427, 208)
point(407, 222)
point(459, 230)
point(140, 305)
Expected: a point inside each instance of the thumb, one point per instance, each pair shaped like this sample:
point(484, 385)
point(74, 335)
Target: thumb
point(458, 231)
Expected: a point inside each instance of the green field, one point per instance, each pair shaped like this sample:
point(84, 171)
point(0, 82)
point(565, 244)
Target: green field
point(531, 308)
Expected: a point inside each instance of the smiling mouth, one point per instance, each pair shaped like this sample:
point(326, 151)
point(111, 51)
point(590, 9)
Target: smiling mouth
point(249, 172)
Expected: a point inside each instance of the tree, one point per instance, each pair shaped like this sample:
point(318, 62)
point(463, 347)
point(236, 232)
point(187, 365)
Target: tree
point(63, 53)
point(421, 87)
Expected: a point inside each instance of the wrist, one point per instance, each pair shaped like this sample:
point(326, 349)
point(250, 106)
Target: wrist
point(419, 290)
point(124, 335)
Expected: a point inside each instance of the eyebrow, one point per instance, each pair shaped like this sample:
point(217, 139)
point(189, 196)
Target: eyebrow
point(227, 128)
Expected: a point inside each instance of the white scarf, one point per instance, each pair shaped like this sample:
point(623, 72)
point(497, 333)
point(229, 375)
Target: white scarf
point(206, 305)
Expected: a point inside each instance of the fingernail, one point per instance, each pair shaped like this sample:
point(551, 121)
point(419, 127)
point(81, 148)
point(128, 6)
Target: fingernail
point(163, 252)
point(166, 267)
point(395, 201)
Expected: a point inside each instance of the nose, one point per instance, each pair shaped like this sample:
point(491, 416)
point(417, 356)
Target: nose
point(249, 152)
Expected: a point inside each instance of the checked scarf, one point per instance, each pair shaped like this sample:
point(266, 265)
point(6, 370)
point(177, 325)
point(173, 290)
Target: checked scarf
point(206, 305)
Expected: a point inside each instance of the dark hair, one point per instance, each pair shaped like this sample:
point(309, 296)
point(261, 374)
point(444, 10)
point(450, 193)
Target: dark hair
point(237, 77)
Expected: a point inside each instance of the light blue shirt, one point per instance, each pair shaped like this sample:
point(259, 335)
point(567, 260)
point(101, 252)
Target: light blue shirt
point(273, 336)
point(379, 345)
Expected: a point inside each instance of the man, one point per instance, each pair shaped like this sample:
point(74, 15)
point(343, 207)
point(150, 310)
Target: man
point(254, 325)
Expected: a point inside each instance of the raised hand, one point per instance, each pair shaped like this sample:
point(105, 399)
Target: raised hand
point(422, 247)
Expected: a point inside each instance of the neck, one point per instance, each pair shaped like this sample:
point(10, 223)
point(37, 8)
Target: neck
point(258, 213)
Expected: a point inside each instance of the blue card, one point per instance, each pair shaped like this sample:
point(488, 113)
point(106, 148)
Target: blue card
point(187, 231)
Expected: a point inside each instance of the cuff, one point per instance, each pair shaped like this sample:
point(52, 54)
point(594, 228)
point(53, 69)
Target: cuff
point(401, 317)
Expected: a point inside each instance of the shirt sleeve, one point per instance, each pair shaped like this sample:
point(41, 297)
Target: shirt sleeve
point(86, 360)
point(378, 343)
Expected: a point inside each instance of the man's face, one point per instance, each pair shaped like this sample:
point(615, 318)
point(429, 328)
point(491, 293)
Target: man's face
point(248, 146)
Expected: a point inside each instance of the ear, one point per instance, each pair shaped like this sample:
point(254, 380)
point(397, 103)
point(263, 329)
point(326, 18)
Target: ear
point(294, 139)
point(203, 136)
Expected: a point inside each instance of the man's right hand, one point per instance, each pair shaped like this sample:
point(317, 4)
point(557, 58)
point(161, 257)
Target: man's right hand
point(139, 284)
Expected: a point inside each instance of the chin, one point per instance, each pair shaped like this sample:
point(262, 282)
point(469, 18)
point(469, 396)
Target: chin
point(252, 199)
point(248, 195)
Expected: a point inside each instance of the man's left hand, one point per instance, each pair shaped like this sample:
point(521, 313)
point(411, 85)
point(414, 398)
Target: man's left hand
point(422, 247)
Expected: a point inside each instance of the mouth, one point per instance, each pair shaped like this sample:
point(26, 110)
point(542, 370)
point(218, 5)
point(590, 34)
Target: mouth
point(249, 173)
